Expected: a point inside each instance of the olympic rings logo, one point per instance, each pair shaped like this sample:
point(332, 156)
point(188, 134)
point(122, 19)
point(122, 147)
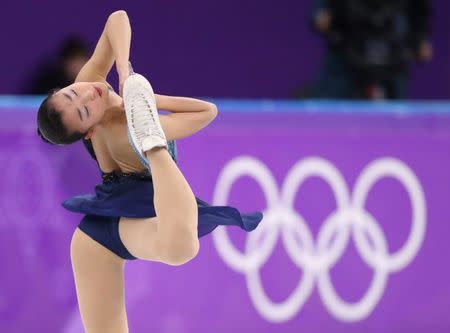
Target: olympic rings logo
point(316, 259)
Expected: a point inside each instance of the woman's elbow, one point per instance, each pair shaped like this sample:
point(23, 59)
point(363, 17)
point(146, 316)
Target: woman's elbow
point(119, 13)
point(209, 115)
point(212, 111)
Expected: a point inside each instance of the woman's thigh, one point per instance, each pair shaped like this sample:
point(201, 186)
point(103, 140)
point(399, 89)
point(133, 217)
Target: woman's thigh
point(99, 284)
point(140, 237)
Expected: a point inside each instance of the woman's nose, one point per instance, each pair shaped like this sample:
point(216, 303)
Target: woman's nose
point(87, 96)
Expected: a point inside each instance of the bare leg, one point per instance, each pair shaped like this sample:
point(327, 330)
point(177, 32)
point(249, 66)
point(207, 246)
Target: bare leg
point(174, 201)
point(174, 239)
point(99, 273)
point(99, 283)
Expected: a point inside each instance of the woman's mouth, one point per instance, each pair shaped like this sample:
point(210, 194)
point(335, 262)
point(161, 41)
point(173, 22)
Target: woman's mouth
point(99, 91)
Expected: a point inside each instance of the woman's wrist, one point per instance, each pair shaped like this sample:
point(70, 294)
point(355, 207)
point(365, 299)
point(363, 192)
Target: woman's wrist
point(122, 67)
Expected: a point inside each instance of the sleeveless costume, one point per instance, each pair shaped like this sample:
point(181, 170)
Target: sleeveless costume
point(131, 195)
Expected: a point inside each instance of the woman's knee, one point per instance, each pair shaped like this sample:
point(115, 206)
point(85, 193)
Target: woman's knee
point(180, 250)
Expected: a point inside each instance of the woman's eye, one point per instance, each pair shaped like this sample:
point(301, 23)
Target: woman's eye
point(87, 111)
point(74, 92)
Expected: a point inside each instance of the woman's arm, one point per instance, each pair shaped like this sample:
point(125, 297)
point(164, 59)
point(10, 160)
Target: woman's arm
point(187, 115)
point(182, 104)
point(113, 45)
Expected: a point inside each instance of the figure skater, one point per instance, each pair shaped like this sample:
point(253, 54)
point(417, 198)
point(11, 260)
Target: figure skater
point(144, 208)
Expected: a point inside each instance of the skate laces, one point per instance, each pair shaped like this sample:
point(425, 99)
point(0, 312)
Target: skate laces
point(143, 118)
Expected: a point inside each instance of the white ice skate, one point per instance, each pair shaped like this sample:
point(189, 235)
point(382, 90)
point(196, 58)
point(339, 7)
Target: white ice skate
point(144, 129)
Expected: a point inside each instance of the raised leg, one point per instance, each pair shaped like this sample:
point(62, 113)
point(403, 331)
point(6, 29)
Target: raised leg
point(171, 237)
point(175, 240)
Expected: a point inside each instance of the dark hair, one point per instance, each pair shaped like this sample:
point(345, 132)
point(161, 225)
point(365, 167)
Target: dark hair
point(50, 126)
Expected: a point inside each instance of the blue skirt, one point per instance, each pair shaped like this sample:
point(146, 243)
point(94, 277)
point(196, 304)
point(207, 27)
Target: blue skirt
point(131, 195)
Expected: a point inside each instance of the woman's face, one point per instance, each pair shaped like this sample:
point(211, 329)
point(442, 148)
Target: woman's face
point(82, 105)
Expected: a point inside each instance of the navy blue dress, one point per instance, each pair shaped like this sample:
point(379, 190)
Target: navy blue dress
point(131, 195)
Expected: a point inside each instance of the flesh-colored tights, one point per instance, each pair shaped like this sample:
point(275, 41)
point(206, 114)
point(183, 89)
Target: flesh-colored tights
point(171, 237)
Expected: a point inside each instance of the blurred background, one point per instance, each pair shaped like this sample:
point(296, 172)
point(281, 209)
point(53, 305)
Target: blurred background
point(334, 120)
point(265, 50)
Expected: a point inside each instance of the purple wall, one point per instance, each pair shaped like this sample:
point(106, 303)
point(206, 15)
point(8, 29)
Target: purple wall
point(384, 253)
point(202, 48)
